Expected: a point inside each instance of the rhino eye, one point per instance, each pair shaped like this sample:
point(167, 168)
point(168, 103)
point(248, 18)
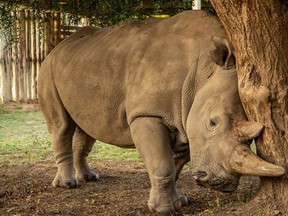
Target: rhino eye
point(214, 122)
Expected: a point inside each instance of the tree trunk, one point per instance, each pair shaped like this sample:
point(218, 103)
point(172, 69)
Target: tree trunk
point(258, 31)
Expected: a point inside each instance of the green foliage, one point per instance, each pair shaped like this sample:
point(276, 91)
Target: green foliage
point(100, 12)
point(7, 21)
point(209, 8)
point(171, 7)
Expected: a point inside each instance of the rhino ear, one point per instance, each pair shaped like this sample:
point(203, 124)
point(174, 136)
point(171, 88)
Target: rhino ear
point(223, 55)
point(248, 130)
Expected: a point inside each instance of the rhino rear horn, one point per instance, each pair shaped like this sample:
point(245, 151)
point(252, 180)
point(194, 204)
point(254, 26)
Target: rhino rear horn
point(248, 130)
point(245, 162)
point(223, 55)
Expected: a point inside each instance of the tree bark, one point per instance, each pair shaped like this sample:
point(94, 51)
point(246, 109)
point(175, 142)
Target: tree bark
point(258, 31)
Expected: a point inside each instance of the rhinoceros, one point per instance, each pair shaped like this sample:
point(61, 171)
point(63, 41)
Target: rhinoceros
point(167, 87)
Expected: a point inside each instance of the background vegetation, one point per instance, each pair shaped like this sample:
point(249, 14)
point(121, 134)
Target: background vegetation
point(99, 12)
point(24, 139)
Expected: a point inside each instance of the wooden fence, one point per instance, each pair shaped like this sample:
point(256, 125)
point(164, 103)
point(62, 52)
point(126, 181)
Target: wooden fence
point(20, 61)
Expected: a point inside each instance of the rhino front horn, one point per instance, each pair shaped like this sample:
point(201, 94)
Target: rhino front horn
point(245, 162)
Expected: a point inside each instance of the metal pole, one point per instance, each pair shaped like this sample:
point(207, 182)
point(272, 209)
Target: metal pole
point(197, 5)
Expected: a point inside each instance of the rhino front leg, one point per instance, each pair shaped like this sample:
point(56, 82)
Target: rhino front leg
point(180, 161)
point(82, 146)
point(152, 141)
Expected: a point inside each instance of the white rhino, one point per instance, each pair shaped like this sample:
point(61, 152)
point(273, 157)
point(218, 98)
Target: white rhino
point(157, 86)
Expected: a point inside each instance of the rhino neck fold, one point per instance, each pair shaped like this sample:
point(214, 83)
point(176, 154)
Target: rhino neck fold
point(196, 78)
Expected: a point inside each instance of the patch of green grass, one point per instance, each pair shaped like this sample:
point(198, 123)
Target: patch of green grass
point(24, 139)
point(109, 152)
point(23, 136)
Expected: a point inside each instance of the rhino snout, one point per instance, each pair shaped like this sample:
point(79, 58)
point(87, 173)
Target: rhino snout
point(221, 183)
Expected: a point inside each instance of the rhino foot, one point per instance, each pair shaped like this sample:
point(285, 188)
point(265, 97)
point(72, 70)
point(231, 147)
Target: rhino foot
point(90, 175)
point(65, 177)
point(165, 204)
point(60, 182)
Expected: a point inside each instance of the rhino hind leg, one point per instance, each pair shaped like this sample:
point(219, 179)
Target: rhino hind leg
point(62, 127)
point(62, 147)
point(152, 141)
point(82, 146)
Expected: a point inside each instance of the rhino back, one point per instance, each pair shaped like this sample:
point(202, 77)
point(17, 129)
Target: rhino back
point(108, 77)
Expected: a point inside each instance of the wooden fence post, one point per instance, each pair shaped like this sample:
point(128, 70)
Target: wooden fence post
point(2, 71)
point(48, 27)
point(7, 93)
point(28, 34)
point(15, 82)
point(20, 60)
point(34, 55)
point(24, 73)
point(38, 57)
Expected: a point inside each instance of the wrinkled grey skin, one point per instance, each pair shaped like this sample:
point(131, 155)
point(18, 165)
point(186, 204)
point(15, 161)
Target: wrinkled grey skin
point(154, 86)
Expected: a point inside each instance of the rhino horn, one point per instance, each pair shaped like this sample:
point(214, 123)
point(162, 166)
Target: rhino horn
point(248, 130)
point(245, 162)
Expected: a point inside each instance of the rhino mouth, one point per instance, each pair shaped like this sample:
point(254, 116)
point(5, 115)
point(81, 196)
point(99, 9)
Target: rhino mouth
point(221, 185)
point(226, 184)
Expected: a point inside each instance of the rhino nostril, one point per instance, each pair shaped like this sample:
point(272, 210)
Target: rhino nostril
point(199, 175)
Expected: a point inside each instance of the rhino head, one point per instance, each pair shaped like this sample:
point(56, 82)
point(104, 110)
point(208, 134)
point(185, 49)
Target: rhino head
point(218, 130)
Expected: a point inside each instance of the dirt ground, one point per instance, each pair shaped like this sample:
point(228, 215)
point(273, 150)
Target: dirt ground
point(122, 190)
